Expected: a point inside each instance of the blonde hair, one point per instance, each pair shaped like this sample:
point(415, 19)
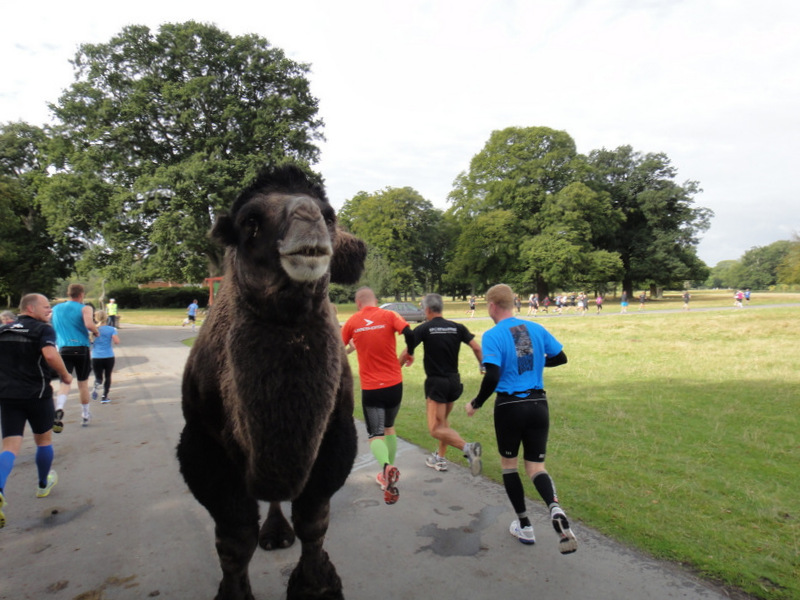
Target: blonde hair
point(501, 295)
point(99, 316)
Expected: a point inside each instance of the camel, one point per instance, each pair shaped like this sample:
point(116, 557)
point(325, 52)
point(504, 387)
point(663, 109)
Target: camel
point(267, 391)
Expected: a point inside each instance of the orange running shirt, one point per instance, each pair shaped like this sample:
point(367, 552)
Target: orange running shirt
point(373, 330)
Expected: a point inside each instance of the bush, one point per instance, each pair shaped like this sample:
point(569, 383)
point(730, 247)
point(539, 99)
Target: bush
point(166, 297)
point(342, 294)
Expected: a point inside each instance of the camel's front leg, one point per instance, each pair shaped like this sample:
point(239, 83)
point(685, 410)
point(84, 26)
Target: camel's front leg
point(235, 547)
point(218, 485)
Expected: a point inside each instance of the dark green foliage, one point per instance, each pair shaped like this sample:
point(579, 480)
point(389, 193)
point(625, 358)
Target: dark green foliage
point(165, 297)
point(657, 236)
point(31, 258)
point(789, 267)
point(160, 132)
point(407, 239)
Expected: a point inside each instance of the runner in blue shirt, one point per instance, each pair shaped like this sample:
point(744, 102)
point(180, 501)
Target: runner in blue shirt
point(103, 357)
point(191, 313)
point(515, 353)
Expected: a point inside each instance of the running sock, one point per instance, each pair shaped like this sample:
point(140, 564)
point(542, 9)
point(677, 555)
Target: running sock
point(380, 451)
point(6, 464)
point(513, 485)
point(546, 487)
point(391, 444)
point(61, 400)
point(465, 450)
point(44, 460)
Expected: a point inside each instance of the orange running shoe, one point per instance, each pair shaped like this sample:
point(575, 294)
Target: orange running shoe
point(391, 475)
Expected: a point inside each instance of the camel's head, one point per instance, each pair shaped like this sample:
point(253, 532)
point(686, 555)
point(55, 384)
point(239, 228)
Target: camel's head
point(283, 227)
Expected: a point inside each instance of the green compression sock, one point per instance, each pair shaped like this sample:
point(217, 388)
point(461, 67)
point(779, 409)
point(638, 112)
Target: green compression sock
point(391, 444)
point(380, 451)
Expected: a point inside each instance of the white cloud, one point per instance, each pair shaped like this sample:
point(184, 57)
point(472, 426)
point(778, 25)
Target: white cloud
point(411, 91)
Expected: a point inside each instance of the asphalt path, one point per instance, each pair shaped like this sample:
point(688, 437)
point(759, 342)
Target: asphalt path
point(121, 523)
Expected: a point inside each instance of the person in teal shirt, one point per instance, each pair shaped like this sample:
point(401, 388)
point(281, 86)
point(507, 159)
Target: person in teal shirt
point(73, 321)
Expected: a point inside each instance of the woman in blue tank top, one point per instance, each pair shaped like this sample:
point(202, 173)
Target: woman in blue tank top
point(103, 356)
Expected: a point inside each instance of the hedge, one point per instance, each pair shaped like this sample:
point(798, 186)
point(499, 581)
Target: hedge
point(166, 297)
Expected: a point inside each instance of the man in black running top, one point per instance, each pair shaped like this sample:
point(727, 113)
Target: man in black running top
point(442, 341)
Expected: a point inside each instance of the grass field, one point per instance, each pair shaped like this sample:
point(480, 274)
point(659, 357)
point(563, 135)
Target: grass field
point(673, 432)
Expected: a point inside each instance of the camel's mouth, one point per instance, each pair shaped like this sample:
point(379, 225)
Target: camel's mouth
point(306, 262)
point(308, 252)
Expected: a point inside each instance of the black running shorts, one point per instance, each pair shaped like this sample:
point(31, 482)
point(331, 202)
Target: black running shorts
point(79, 359)
point(380, 408)
point(522, 421)
point(39, 412)
point(444, 389)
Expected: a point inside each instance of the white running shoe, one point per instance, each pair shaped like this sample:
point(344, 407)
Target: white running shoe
point(473, 455)
point(434, 461)
point(523, 534)
point(87, 417)
point(567, 543)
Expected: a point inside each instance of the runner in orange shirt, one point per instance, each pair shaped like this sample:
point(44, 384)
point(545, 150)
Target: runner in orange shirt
point(372, 330)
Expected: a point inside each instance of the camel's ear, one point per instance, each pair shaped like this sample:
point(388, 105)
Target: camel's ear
point(349, 254)
point(224, 230)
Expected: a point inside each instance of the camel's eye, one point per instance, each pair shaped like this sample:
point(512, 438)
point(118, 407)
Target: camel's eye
point(328, 214)
point(252, 226)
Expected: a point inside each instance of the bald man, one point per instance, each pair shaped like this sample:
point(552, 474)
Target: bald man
point(372, 331)
point(27, 349)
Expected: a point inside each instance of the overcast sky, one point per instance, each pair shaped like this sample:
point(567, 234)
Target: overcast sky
point(410, 91)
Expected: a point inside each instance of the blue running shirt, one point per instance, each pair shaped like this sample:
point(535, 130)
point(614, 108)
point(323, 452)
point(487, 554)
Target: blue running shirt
point(68, 322)
point(519, 348)
point(102, 347)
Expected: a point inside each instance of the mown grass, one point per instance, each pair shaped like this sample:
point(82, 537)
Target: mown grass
point(673, 432)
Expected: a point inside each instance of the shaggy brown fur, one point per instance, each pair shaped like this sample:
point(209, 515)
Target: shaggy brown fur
point(267, 390)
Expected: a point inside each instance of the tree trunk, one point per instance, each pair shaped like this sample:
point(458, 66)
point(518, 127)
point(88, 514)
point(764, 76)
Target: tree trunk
point(542, 288)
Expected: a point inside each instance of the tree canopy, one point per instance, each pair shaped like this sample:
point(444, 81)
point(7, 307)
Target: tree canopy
point(160, 131)
point(404, 230)
point(656, 239)
point(577, 221)
point(789, 268)
point(32, 259)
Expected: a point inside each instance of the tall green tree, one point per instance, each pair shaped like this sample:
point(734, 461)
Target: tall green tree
point(509, 183)
point(160, 131)
point(723, 274)
point(487, 251)
point(516, 170)
point(758, 268)
point(404, 230)
point(658, 237)
point(572, 222)
point(31, 259)
point(789, 268)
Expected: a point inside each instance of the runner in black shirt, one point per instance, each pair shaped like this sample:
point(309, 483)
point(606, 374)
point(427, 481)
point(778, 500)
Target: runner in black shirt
point(442, 341)
point(27, 353)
